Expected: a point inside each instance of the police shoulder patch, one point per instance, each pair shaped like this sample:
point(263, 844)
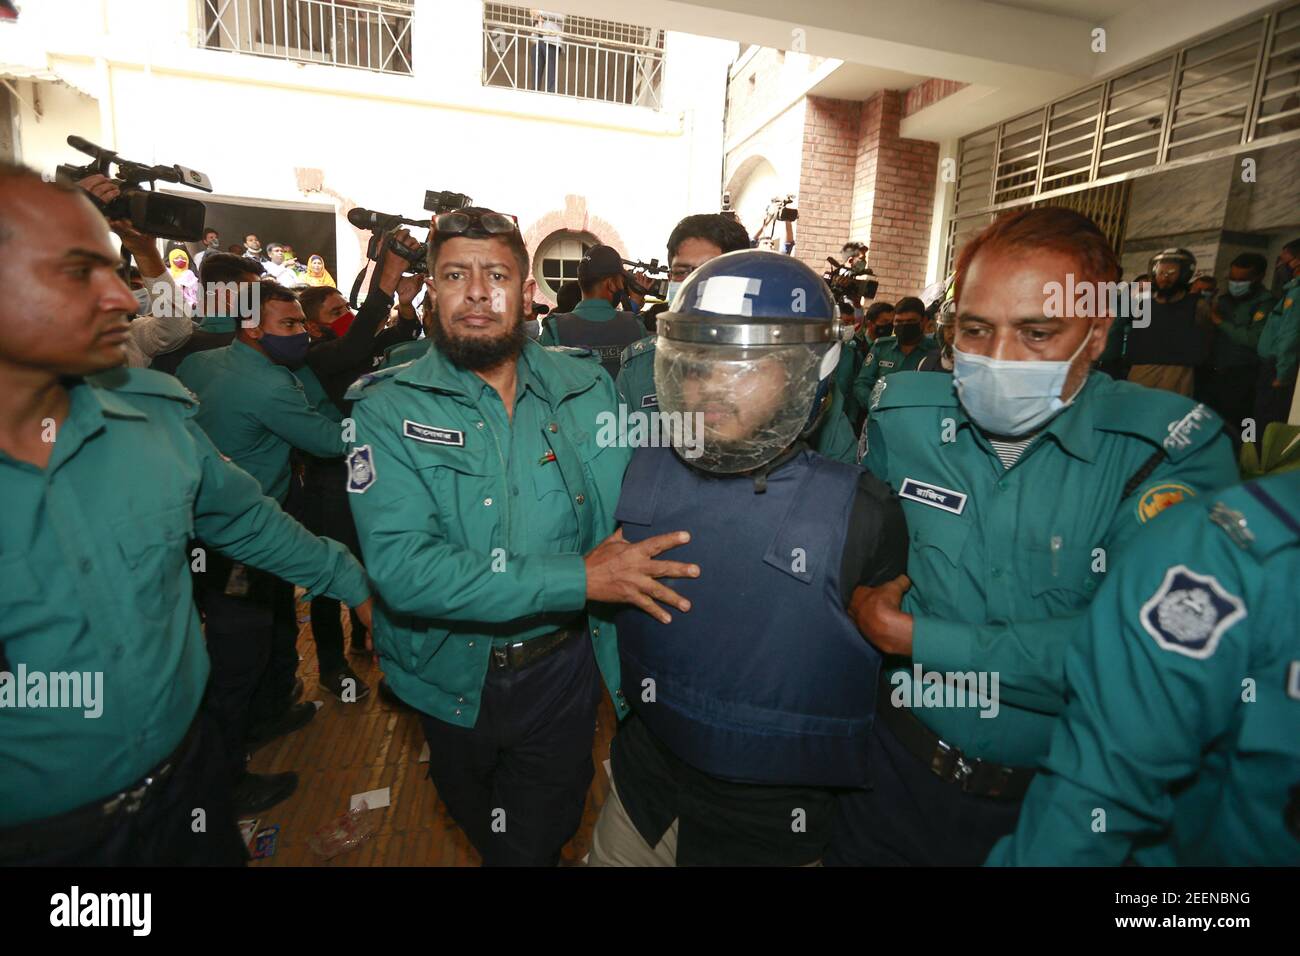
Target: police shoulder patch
point(361, 470)
point(1189, 612)
point(1159, 497)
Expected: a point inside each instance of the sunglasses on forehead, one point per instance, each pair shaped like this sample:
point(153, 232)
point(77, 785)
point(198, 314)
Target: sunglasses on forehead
point(458, 223)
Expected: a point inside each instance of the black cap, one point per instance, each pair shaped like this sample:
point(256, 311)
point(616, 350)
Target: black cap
point(600, 262)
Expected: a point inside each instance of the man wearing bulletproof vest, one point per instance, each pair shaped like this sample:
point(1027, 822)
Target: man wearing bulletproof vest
point(596, 323)
point(1165, 352)
point(749, 709)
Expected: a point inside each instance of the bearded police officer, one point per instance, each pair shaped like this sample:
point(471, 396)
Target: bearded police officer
point(694, 241)
point(479, 481)
point(596, 322)
point(105, 476)
point(1165, 350)
point(748, 710)
point(1022, 477)
point(1179, 745)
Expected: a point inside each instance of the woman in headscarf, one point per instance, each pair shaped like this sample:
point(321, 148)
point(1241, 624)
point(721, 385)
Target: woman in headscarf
point(317, 274)
point(178, 262)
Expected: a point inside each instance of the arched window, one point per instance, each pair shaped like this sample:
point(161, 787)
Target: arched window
point(557, 259)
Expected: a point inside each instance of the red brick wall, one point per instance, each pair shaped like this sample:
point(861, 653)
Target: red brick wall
point(927, 93)
point(826, 180)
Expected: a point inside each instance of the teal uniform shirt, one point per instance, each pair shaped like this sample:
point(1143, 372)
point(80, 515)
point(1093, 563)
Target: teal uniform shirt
point(885, 358)
point(96, 570)
point(404, 352)
point(1183, 726)
point(255, 411)
point(474, 525)
point(1236, 338)
point(635, 385)
point(1280, 340)
point(1004, 562)
point(315, 392)
point(593, 310)
point(852, 357)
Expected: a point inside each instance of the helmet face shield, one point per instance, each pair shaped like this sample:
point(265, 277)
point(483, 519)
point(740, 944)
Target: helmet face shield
point(744, 405)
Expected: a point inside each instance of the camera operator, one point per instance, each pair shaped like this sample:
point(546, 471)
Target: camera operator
point(161, 324)
point(781, 209)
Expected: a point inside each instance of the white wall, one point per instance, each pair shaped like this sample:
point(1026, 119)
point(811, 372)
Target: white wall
point(266, 129)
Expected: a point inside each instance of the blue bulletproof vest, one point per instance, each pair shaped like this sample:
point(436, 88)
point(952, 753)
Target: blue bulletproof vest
point(766, 679)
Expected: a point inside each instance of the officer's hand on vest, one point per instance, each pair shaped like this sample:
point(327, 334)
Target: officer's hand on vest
point(619, 572)
point(876, 612)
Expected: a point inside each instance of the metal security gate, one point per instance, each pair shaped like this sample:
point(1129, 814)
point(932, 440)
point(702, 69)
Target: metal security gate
point(1216, 95)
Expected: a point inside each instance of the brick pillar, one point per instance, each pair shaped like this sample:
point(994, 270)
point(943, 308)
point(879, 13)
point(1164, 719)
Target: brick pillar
point(893, 197)
point(830, 149)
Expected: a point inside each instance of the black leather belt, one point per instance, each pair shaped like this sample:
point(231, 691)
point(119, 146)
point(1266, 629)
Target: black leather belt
point(982, 778)
point(87, 823)
point(523, 653)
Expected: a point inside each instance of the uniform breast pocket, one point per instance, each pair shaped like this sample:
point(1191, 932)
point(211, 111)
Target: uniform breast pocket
point(153, 547)
point(464, 495)
point(937, 536)
point(1063, 573)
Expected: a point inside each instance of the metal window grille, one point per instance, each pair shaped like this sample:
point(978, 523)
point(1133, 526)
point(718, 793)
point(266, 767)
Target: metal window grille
point(584, 57)
point(1214, 95)
point(365, 34)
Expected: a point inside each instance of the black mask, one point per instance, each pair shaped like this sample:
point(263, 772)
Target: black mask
point(909, 333)
point(883, 330)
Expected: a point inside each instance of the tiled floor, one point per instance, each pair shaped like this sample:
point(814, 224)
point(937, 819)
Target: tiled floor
point(352, 748)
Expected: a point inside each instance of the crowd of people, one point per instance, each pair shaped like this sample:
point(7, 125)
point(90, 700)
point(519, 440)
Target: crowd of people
point(865, 582)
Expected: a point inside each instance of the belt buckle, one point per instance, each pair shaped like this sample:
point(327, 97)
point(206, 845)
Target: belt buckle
point(501, 656)
point(951, 765)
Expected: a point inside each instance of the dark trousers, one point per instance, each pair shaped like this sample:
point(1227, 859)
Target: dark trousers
point(909, 817)
point(241, 633)
point(1271, 404)
point(325, 511)
point(1231, 393)
point(162, 831)
point(517, 781)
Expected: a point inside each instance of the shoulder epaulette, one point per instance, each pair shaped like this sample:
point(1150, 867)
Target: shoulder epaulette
point(912, 389)
point(1171, 421)
point(143, 381)
point(356, 389)
point(643, 346)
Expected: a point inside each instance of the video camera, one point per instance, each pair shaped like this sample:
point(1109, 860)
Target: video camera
point(152, 213)
point(654, 272)
point(781, 209)
point(380, 224)
point(851, 281)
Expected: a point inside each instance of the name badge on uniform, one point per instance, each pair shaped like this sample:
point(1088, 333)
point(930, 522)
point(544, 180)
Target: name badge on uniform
point(432, 434)
point(650, 401)
point(945, 499)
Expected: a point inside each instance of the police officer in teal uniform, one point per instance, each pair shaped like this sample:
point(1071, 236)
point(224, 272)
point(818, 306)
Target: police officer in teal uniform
point(1023, 478)
point(106, 476)
point(256, 412)
point(1228, 383)
point(1179, 745)
point(484, 499)
point(694, 241)
point(596, 322)
point(900, 352)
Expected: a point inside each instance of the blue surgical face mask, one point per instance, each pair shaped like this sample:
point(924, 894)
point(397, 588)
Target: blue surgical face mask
point(288, 350)
point(1011, 398)
point(1238, 289)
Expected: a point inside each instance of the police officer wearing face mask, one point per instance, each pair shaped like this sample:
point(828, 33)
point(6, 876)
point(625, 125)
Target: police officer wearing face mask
point(1238, 315)
point(900, 352)
point(751, 707)
point(1023, 478)
point(256, 411)
point(597, 322)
